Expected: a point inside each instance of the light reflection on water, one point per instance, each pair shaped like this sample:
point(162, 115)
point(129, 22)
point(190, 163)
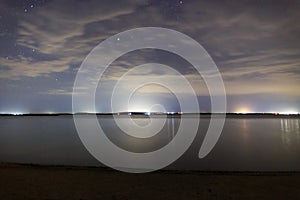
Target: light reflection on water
point(136, 144)
point(289, 130)
point(251, 144)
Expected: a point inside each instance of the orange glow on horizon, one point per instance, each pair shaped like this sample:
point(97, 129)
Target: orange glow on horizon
point(243, 110)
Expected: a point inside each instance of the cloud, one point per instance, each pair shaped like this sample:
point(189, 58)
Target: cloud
point(53, 31)
point(57, 92)
point(25, 67)
point(256, 49)
point(61, 32)
point(65, 91)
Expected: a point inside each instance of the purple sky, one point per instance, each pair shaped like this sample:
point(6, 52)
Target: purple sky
point(255, 44)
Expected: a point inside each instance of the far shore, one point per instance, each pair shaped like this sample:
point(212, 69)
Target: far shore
point(141, 114)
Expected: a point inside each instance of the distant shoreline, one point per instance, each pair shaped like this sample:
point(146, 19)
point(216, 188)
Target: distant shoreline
point(138, 114)
point(161, 171)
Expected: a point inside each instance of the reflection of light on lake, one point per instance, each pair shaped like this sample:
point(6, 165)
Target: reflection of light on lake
point(171, 129)
point(262, 148)
point(290, 131)
point(142, 122)
point(245, 128)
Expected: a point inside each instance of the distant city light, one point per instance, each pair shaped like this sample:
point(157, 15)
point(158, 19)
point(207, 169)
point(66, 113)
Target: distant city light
point(289, 113)
point(286, 112)
point(49, 112)
point(16, 113)
point(12, 113)
point(243, 110)
point(147, 113)
point(171, 113)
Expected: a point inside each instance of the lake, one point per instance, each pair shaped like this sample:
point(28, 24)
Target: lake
point(253, 143)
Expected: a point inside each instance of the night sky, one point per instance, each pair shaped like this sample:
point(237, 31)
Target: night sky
point(255, 44)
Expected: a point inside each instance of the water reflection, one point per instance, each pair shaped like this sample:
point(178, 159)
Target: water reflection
point(290, 131)
point(245, 129)
point(258, 144)
point(171, 128)
point(136, 144)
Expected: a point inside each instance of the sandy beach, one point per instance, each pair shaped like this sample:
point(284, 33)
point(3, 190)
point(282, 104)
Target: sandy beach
point(60, 182)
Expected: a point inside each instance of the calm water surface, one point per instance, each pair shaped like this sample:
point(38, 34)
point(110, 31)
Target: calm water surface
point(251, 144)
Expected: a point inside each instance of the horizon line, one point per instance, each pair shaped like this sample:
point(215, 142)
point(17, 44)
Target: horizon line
point(147, 113)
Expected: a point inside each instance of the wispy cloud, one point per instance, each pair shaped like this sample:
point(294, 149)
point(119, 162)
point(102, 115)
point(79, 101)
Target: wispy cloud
point(61, 32)
point(26, 67)
point(57, 92)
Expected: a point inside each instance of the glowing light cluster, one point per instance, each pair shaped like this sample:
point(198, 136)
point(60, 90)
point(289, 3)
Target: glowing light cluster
point(16, 113)
point(243, 110)
point(289, 113)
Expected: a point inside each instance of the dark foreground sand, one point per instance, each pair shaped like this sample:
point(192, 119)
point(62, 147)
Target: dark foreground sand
point(40, 182)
